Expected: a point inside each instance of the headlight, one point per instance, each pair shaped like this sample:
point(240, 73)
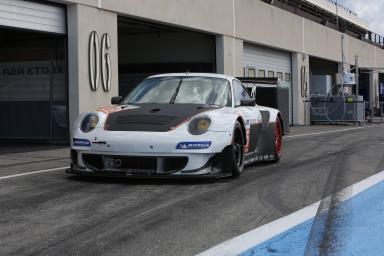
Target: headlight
point(89, 123)
point(199, 125)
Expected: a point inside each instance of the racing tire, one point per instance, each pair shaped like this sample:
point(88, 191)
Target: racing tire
point(278, 140)
point(237, 151)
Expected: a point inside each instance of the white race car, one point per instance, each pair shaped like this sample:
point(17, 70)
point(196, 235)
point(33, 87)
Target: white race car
point(177, 125)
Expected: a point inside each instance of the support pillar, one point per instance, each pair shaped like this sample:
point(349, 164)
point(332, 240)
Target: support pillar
point(300, 89)
point(229, 55)
point(82, 22)
point(374, 88)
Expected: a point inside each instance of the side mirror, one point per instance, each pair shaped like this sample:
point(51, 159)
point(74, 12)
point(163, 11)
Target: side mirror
point(248, 102)
point(116, 100)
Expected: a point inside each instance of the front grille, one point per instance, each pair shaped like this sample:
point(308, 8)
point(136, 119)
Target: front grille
point(134, 164)
point(93, 162)
point(144, 119)
point(174, 164)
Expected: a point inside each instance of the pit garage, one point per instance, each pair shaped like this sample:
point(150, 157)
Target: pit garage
point(322, 71)
point(33, 87)
point(381, 87)
point(264, 62)
point(364, 84)
point(147, 48)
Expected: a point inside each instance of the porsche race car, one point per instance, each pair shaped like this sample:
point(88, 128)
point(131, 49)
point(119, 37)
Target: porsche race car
point(177, 125)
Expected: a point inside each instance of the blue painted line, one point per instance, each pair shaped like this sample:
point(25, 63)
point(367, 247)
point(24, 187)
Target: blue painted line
point(354, 227)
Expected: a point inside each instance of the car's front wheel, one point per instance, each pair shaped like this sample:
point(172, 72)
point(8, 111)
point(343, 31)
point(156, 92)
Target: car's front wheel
point(237, 153)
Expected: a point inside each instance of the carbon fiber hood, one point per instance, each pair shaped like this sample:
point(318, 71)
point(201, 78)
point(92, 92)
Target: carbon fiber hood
point(153, 117)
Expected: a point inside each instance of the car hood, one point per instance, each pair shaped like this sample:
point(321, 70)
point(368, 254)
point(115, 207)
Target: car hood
point(153, 117)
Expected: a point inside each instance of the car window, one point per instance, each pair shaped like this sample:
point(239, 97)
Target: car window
point(182, 90)
point(239, 92)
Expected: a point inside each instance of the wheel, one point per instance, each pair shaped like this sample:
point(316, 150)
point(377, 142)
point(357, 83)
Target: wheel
point(278, 140)
point(236, 156)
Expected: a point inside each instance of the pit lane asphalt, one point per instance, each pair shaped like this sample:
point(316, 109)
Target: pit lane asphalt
point(56, 214)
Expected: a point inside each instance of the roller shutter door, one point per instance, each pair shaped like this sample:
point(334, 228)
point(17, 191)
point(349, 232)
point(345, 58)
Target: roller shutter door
point(34, 16)
point(259, 61)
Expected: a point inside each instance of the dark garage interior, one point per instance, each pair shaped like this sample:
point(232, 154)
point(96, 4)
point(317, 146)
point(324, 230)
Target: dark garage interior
point(147, 49)
point(33, 87)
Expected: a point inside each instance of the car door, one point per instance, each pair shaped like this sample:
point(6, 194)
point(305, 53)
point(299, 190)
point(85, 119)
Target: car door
point(251, 116)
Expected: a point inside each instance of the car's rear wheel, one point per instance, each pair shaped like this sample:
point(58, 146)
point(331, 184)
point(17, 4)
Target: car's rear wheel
point(237, 151)
point(278, 140)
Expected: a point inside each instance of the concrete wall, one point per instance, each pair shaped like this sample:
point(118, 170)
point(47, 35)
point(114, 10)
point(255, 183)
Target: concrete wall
point(250, 20)
point(82, 20)
point(231, 21)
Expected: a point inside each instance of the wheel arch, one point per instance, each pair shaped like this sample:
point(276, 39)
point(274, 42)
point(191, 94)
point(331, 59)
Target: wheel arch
point(281, 123)
point(241, 121)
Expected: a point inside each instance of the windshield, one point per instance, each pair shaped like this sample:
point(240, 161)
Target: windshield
point(181, 90)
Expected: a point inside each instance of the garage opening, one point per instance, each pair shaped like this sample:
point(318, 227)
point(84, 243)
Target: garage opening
point(319, 66)
point(33, 88)
point(364, 84)
point(264, 62)
point(323, 75)
point(381, 87)
point(147, 49)
point(33, 99)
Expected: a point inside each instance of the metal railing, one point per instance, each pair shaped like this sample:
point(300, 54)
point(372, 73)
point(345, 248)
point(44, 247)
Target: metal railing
point(336, 112)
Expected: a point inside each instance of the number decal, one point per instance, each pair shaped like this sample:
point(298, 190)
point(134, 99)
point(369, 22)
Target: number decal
point(106, 71)
point(100, 65)
point(94, 68)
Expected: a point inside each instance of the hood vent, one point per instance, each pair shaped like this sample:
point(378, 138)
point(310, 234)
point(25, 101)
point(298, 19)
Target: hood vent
point(144, 119)
point(153, 117)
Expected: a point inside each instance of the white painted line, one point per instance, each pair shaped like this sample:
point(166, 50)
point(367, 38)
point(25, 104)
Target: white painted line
point(334, 131)
point(241, 243)
point(31, 173)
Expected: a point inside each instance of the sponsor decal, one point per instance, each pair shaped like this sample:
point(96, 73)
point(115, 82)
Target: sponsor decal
point(111, 109)
point(260, 158)
point(81, 142)
point(194, 145)
point(112, 163)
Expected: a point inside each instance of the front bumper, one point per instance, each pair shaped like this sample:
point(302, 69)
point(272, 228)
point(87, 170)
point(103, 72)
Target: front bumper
point(143, 154)
point(143, 176)
point(140, 166)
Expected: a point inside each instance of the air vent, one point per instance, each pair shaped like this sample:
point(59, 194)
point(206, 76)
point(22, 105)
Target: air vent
point(144, 119)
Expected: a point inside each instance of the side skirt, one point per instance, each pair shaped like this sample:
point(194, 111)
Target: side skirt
point(265, 148)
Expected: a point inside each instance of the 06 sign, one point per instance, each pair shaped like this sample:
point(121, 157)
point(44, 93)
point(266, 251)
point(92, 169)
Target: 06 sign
point(99, 61)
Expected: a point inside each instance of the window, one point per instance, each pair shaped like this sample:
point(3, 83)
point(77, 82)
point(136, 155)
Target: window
point(251, 72)
point(261, 73)
point(239, 92)
point(280, 76)
point(287, 77)
point(181, 90)
point(271, 74)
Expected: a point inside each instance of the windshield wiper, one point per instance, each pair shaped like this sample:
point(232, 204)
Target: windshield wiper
point(176, 92)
